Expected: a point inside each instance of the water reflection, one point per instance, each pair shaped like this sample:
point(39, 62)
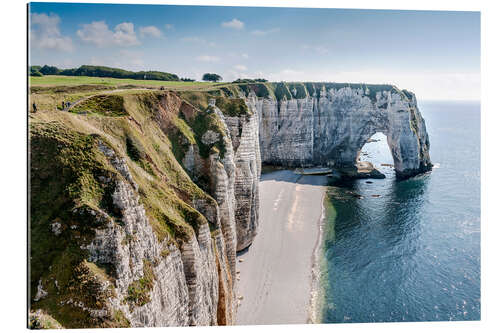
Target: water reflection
point(377, 231)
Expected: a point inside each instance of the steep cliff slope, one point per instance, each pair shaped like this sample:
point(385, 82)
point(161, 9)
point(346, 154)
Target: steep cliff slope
point(120, 233)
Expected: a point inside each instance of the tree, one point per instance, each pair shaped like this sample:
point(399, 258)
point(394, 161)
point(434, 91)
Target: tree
point(35, 71)
point(49, 70)
point(211, 77)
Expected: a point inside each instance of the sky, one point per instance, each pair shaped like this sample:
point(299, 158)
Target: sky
point(435, 54)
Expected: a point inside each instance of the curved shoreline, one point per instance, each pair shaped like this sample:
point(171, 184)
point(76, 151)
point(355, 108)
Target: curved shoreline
point(314, 309)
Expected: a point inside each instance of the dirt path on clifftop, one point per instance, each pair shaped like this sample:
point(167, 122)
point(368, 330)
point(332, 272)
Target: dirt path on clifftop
point(275, 274)
point(75, 103)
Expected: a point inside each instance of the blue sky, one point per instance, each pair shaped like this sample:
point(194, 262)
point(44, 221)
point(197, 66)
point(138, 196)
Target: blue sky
point(435, 54)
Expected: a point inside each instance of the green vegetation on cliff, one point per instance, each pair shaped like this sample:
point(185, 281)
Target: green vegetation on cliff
point(72, 183)
point(65, 168)
point(138, 291)
point(281, 91)
point(107, 105)
point(40, 320)
point(232, 107)
point(298, 90)
point(209, 121)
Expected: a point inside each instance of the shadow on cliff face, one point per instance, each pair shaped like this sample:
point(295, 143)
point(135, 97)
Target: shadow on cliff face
point(290, 176)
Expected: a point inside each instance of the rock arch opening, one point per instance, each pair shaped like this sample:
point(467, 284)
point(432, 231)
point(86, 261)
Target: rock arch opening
point(376, 154)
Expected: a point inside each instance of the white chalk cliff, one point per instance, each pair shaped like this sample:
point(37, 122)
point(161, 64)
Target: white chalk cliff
point(330, 128)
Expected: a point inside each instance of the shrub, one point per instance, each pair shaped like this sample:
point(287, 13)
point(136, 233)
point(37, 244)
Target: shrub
point(211, 77)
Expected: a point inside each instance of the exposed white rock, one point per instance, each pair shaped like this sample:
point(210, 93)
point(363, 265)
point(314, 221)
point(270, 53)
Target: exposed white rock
point(243, 134)
point(332, 129)
point(201, 277)
point(40, 293)
point(210, 137)
point(56, 228)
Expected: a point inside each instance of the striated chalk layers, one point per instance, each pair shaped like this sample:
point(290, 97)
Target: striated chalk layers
point(244, 134)
point(233, 178)
point(330, 126)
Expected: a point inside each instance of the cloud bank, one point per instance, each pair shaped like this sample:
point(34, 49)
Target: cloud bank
point(99, 34)
point(233, 24)
point(45, 33)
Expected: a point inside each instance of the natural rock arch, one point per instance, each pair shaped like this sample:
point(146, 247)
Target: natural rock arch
point(330, 129)
point(398, 119)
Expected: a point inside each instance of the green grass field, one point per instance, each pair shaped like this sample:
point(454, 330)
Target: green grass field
point(61, 80)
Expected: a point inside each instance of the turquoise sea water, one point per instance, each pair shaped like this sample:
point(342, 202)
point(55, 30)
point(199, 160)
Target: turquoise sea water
point(412, 254)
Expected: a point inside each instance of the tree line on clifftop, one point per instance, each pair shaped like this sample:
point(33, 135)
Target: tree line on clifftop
point(118, 73)
point(103, 71)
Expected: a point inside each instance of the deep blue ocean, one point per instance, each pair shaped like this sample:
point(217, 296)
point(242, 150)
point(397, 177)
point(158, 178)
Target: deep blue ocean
point(409, 250)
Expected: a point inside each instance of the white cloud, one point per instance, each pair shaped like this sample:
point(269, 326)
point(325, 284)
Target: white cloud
point(426, 85)
point(197, 40)
point(125, 34)
point(45, 33)
point(95, 61)
point(233, 24)
point(208, 58)
point(99, 34)
point(169, 26)
point(151, 31)
point(240, 67)
point(287, 74)
point(131, 60)
point(320, 49)
point(265, 32)
point(126, 59)
point(233, 74)
point(244, 55)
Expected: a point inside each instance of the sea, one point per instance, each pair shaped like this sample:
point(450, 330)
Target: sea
point(405, 251)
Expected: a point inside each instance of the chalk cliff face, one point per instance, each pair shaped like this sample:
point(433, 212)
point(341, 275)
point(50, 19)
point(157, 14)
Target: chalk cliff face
point(131, 240)
point(234, 178)
point(244, 132)
point(137, 214)
point(331, 126)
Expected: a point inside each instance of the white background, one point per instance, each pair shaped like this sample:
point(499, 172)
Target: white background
point(13, 167)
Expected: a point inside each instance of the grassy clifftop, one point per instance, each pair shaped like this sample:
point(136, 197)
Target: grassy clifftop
point(278, 90)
